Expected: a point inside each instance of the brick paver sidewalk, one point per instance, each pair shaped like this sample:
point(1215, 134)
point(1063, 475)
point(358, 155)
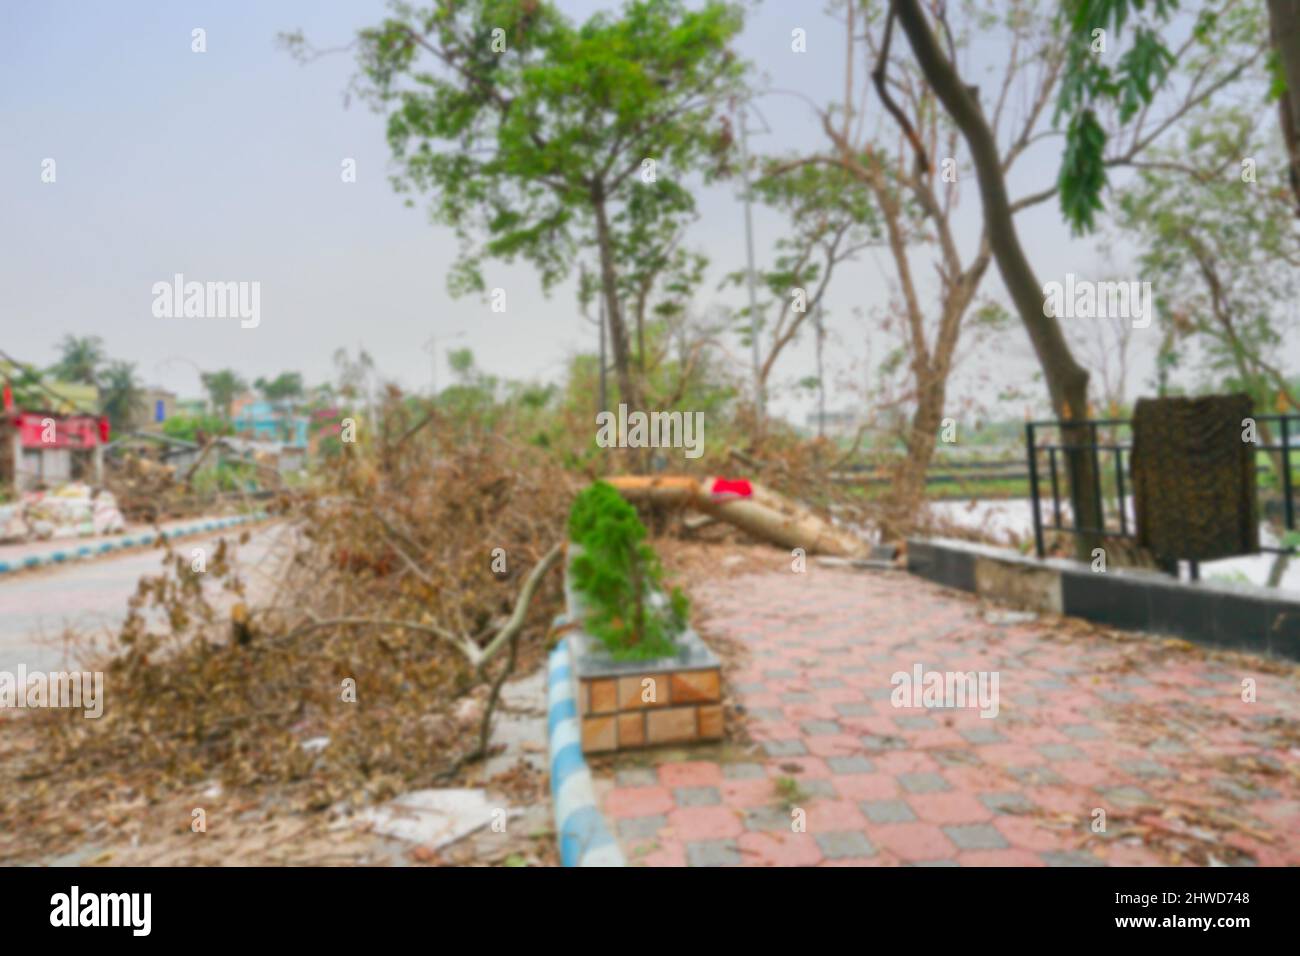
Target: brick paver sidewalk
point(1155, 734)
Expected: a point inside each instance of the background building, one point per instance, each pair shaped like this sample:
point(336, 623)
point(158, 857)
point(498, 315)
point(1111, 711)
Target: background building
point(263, 420)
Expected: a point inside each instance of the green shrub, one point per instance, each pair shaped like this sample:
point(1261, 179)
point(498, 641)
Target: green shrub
point(225, 476)
point(194, 428)
point(618, 573)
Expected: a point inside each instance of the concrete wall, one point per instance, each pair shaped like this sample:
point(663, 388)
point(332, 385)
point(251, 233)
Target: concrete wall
point(1238, 617)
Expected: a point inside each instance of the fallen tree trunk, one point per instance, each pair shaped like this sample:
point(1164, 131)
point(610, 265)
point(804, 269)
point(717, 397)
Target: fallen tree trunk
point(765, 514)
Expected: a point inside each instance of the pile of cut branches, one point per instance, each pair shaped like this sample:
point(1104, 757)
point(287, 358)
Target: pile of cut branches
point(415, 579)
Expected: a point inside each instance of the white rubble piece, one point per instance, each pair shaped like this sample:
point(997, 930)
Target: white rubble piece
point(433, 818)
point(72, 510)
point(1010, 617)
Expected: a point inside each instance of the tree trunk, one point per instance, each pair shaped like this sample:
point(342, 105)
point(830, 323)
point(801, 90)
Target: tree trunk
point(1284, 33)
point(766, 515)
point(613, 308)
point(909, 482)
point(640, 335)
point(1067, 381)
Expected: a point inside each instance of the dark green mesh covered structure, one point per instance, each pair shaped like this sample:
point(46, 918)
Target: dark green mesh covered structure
point(1194, 478)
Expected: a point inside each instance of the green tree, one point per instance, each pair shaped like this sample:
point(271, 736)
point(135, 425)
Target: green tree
point(1225, 251)
point(119, 393)
point(659, 275)
point(1119, 53)
point(355, 376)
point(196, 428)
point(1225, 254)
point(28, 385)
point(1284, 33)
point(1083, 87)
point(286, 385)
point(618, 576)
point(1067, 381)
point(538, 138)
point(80, 358)
point(471, 397)
point(222, 388)
point(911, 168)
point(828, 221)
point(283, 392)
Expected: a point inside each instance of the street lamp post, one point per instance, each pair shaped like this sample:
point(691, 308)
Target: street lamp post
point(431, 346)
point(749, 266)
point(604, 400)
point(821, 374)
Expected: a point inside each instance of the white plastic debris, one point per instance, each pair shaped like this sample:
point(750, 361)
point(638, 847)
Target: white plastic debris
point(432, 818)
point(1010, 617)
point(72, 510)
point(13, 526)
point(107, 516)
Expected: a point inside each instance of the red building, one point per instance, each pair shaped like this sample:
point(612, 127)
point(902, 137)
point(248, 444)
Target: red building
point(44, 449)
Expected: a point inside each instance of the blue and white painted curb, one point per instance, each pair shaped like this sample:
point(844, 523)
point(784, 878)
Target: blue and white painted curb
point(80, 552)
point(585, 839)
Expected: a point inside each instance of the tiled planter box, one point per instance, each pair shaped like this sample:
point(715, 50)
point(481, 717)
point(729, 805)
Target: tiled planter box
point(629, 704)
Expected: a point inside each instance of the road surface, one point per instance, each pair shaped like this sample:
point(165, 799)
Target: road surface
point(90, 597)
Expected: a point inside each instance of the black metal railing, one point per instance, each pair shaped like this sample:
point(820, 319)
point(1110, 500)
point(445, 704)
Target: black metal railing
point(1113, 481)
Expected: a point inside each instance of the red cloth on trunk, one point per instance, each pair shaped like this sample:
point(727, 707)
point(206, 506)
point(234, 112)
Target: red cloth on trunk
point(729, 486)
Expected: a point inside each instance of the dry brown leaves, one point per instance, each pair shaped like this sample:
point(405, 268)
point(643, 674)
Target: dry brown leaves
point(400, 530)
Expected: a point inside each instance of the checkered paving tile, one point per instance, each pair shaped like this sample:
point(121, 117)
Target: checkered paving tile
point(1105, 749)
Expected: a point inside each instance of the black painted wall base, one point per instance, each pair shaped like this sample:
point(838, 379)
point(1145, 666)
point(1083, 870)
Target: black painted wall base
point(1238, 617)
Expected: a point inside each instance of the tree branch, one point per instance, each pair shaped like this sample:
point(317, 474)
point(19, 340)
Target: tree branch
point(516, 620)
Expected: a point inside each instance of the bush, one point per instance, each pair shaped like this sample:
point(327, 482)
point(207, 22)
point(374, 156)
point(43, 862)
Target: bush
point(226, 476)
point(195, 428)
point(619, 575)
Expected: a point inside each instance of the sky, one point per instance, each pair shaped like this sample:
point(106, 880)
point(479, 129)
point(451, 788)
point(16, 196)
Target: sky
point(225, 165)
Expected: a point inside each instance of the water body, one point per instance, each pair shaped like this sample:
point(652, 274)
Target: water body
point(1006, 520)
